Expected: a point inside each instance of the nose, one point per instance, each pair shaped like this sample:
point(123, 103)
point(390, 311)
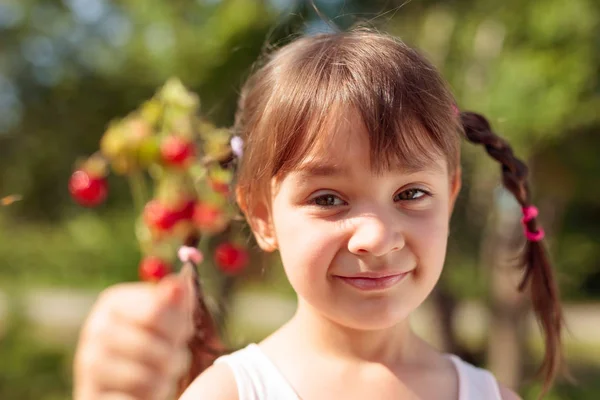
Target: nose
point(376, 235)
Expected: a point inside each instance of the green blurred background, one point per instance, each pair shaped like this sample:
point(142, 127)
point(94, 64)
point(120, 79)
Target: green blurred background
point(68, 67)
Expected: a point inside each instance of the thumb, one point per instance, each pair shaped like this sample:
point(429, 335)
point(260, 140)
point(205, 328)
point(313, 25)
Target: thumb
point(186, 280)
point(176, 298)
point(171, 292)
point(179, 291)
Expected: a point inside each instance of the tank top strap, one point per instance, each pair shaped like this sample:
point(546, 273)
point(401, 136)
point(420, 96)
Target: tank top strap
point(256, 377)
point(475, 383)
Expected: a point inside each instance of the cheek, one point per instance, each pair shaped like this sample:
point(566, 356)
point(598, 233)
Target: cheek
point(306, 245)
point(428, 239)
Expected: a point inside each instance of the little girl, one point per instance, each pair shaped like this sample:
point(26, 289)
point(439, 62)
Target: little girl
point(350, 170)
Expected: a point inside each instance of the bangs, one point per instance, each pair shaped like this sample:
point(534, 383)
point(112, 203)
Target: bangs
point(403, 103)
point(290, 103)
point(405, 145)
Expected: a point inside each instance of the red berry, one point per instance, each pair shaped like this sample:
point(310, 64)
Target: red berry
point(209, 218)
point(219, 186)
point(87, 190)
point(230, 258)
point(153, 269)
point(186, 211)
point(156, 215)
point(177, 151)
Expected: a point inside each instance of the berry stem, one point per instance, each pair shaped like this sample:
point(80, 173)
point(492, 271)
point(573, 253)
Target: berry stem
point(139, 191)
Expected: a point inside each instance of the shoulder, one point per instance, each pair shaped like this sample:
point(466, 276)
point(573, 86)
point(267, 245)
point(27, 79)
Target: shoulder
point(217, 382)
point(507, 394)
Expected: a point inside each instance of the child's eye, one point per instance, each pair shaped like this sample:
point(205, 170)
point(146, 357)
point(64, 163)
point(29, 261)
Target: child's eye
point(411, 195)
point(327, 200)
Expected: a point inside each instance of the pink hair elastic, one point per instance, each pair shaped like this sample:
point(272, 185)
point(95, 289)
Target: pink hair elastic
point(530, 213)
point(535, 236)
point(187, 253)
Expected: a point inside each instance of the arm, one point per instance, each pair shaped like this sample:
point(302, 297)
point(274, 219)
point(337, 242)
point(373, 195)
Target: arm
point(508, 394)
point(217, 383)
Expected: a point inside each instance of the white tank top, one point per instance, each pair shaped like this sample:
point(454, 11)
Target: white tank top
point(257, 378)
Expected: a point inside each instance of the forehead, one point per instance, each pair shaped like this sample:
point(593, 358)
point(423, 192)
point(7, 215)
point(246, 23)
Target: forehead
point(345, 143)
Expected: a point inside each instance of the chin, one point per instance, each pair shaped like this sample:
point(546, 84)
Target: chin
point(376, 318)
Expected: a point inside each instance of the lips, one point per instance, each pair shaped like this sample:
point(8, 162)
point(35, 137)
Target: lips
point(374, 280)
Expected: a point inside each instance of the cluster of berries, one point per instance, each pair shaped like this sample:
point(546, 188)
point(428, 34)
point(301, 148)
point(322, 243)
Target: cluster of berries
point(189, 162)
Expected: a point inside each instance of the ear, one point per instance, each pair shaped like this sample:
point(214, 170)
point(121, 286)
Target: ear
point(260, 221)
point(455, 185)
point(261, 224)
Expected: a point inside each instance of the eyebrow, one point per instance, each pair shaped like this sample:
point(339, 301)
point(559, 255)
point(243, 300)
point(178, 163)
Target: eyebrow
point(321, 169)
point(315, 169)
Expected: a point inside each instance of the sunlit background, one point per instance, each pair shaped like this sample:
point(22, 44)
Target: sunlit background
point(68, 67)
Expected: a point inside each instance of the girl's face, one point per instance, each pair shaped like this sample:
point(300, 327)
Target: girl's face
point(363, 250)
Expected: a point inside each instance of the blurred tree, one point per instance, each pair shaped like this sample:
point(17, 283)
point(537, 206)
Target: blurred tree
point(69, 68)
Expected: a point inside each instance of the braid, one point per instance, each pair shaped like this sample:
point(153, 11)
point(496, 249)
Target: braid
point(205, 346)
point(538, 273)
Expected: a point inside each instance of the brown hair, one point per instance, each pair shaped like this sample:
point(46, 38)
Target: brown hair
point(538, 276)
point(286, 105)
point(410, 115)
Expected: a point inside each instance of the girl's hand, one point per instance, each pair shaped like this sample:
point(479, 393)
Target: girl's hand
point(134, 342)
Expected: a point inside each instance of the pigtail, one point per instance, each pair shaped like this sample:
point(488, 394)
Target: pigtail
point(205, 346)
point(538, 275)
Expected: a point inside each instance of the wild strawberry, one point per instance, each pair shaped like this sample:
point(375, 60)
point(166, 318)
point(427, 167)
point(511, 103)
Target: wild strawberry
point(138, 129)
point(219, 180)
point(177, 151)
point(153, 269)
point(113, 143)
point(219, 186)
point(148, 151)
point(186, 211)
point(87, 190)
point(231, 259)
point(157, 216)
point(209, 218)
point(151, 111)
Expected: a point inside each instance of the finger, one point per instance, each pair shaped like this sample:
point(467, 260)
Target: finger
point(149, 349)
point(126, 396)
point(181, 364)
point(102, 369)
point(139, 344)
point(160, 308)
point(125, 376)
point(115, 396)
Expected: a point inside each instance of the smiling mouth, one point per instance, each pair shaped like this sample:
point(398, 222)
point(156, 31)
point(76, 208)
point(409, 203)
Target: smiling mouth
point(373, 283)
